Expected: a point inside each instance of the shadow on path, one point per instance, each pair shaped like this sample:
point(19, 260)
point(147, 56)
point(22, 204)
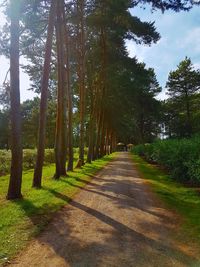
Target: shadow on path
point(112, 222)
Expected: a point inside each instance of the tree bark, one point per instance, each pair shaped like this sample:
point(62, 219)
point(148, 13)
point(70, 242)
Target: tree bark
point(81, 74)
point(98, 138)
point(14, 189)
point(61, 127)
point(90, 154)
point(103, 131)
point(107, 143)
point(43, 102)
point(69, 96)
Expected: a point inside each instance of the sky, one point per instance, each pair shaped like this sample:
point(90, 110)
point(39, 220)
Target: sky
point(4, 67)
point(180, 37)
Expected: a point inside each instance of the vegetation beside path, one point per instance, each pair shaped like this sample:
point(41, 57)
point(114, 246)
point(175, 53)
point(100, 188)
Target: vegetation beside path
point(184, 200)
point(180, 157)
point(22, 219)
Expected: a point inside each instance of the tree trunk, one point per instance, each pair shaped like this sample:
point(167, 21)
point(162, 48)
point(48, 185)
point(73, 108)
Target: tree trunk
point(93, 95)
point(98, 138)
point(103, 131)
point(104, 88)
point(107, 146)
point(69, 97)
point(90, 154)
point(61, 136)
point(111, 142)
point(114, 142)
point(81, 74)
point(14, 189)
point(43, 102)
point(70, 132)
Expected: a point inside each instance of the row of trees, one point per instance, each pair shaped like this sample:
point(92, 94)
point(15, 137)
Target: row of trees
point(142, 118)
point(78, 62)
point(140, 121)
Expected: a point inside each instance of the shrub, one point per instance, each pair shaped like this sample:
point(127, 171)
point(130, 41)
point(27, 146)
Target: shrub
point(29, 159)
point(49, 156)
point(5, 158)
point(180, 157)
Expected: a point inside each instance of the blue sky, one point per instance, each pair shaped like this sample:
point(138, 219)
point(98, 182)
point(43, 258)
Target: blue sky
point(180, 37)
point(4, 67)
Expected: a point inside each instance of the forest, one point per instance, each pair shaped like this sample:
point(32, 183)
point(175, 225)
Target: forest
point(91, 96)
point(104, 95)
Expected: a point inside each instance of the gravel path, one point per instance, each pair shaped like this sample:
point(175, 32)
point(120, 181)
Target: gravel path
point(114, 221)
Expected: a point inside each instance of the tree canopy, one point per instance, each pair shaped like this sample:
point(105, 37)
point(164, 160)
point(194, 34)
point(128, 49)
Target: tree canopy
point(92, 94)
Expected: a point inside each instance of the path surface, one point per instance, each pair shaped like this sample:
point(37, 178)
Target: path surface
point(114, 221)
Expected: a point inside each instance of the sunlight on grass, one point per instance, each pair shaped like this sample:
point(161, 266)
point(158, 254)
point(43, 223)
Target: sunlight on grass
point(22, 219)
point(185, 201)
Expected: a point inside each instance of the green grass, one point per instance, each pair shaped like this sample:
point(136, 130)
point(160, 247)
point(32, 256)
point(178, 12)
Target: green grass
point(22, 219)
point(185, 201)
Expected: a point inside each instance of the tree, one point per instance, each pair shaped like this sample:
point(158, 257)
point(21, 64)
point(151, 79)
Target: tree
point(182, 84)
point(69, 100)
point(81, 75)
point(110, 23)
point(43, 103)
point(112, 97)
point(176, 5)
point(61, 120)
point(14, 189)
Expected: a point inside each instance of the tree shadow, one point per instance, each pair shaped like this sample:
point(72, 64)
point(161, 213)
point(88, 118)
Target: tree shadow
point(126, 193)
point(119, 238)
point(101, 240)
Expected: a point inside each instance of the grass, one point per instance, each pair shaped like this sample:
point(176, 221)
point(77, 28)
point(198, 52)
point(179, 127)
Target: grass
point(183, 200)
point(23, 219)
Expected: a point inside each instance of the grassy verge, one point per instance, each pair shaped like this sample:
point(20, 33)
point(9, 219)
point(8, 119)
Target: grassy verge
point(22, 219)
point(185, 201)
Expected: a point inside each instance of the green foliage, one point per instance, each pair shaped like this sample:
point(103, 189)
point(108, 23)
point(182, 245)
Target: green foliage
point(184, 81)
point(4, 129)
point(180, 110)
point(168, 4)
point(5, 158)
point(180, 157)
point(29, 158)
point(20, 220)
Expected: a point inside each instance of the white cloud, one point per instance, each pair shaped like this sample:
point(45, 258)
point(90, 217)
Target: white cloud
point(2, 19)
point(197, 66)
point(191, 40)
point(180, 37)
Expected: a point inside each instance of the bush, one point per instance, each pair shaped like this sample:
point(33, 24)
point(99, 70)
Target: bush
point(29, 159)
point(49, 156)
point(180, 157)
point(5, 158)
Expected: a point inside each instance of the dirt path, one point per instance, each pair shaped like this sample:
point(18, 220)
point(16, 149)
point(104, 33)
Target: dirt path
point(114, 221)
